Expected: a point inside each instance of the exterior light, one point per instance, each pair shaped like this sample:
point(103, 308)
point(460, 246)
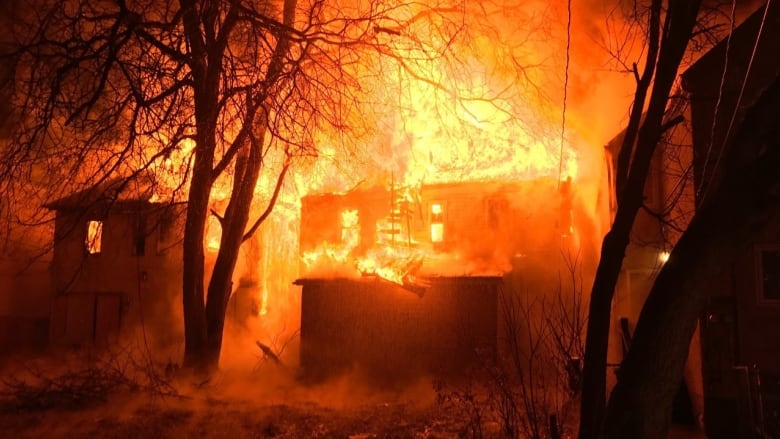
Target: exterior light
point(663, 256)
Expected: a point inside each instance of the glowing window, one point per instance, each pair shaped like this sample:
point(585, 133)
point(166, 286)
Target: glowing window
point(350, 228)
point(94, 238)
point(437, 222)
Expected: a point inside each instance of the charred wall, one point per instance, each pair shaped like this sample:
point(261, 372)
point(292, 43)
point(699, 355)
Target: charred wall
point(388, 334)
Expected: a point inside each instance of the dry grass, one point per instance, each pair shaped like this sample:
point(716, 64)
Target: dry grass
point(126, 416)
point(124, 398)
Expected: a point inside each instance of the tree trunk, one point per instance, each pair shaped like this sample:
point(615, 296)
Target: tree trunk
point(247, 170)
point(679, 21)
point(205, 89)
point(747, 199)
point(234, 223)
point(193, 274)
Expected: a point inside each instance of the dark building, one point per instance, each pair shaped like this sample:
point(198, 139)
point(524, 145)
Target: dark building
point(740, 353)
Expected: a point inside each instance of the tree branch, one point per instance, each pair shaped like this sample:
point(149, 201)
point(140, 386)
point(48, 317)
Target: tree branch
point(271, 203)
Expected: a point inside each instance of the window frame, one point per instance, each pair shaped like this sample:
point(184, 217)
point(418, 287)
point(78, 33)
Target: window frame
point(101, 231)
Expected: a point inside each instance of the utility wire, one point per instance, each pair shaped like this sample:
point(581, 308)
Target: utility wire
point(739, 97)
point(720, 92)
point(565, 87)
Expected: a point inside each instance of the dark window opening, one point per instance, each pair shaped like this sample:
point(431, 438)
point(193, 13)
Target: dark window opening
point(139, 245)
point(497, 208)
point(165, 233)
point(770, 274)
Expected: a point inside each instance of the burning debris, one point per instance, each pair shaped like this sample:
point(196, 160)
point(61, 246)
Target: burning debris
point(268, 353)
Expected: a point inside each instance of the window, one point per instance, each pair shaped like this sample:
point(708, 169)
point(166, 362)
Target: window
point(139, 238)
point(350, 228)
point(166, 235)
point(437, 223)
point(769, 273)
point(94, 240)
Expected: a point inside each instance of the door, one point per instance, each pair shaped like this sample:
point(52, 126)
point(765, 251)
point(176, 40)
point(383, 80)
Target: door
point(84, 319)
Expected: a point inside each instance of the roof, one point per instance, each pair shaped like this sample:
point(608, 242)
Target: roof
point(729, 80)
point(705, 75)
point(132, 191)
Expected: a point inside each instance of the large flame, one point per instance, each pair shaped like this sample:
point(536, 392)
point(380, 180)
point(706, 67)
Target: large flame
point(435, 118)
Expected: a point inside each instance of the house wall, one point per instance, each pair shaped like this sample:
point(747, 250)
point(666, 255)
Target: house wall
point(389, 335)
point(737, 322)
point(529, 230)
point(116, 290)
point(669, 207)
point(486, 224)
point(716, 117)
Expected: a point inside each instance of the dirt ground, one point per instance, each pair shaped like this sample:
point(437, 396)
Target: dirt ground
point(245, 408)
point(135, 418)
point(267, 403)
point(231, 419)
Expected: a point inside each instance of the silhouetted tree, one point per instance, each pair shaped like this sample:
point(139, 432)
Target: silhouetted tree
point(670, 28)
point(743, 201)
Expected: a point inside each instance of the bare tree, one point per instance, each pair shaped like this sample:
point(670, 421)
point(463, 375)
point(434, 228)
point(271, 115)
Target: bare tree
point(737, 205)
point(204, 96)
point(670, 27)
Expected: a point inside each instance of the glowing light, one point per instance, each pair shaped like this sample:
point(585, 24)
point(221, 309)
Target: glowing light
point(94, 236)
point(663, 256)
point(437, 226)
point(350, 228)
point(329, 253)
point(213, 234)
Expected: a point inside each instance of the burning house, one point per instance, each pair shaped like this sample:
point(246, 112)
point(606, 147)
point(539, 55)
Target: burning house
point(116, 263)
point(407, 282)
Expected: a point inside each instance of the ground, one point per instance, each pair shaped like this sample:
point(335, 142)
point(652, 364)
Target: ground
point(269, 402)
point(240, 406)
point(130, 416)
point(221, 419)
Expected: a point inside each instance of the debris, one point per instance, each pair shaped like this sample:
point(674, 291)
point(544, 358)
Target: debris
point(268, 353)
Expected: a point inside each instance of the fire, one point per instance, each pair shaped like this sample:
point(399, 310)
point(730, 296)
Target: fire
point(337, 253)
point(473, 138)
point(435, 120)
point(94, 236)
point(436, 123)
point(437, 226)
point(395, 256)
